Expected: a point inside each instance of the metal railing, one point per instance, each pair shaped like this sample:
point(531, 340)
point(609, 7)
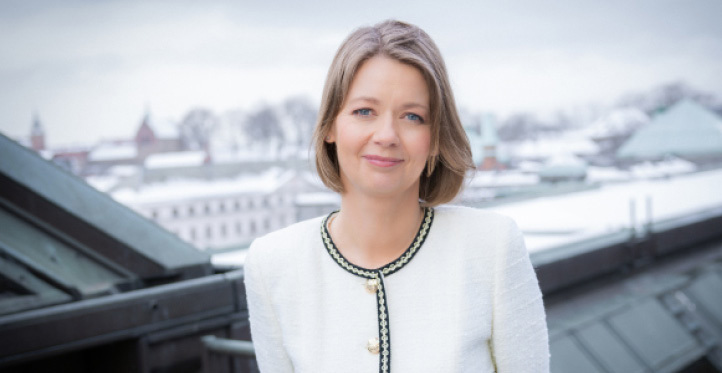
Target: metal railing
point(222, 355)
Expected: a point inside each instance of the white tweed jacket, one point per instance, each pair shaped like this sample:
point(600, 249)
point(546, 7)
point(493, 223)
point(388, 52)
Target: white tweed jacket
point(463, 298)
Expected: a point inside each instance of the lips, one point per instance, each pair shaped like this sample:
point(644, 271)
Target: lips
point(380, 161)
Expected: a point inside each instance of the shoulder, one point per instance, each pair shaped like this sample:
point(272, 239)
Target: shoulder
point(474, 228)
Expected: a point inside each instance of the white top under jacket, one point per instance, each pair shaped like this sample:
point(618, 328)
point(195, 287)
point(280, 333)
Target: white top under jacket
point(467, 300)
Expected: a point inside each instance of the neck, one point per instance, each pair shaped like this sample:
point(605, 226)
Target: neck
point(372, 232)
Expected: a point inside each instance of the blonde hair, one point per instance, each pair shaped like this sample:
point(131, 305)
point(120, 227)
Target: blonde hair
point(450, 155)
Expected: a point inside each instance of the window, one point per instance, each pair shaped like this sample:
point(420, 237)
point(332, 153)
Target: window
point(209, 232)
point(175, 212)
point(191, 211)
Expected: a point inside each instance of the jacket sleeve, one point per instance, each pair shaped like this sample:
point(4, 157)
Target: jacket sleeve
point(519, 339)
point(265, 329)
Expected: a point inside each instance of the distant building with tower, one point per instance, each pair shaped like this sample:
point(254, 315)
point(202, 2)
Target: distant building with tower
point(157, 137)
point(37, 134)
point(484, 143)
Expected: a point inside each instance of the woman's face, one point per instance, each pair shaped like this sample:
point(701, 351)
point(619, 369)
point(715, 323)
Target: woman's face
point(382, 133)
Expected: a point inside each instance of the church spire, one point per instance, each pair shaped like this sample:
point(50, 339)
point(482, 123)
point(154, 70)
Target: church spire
point(37, 134)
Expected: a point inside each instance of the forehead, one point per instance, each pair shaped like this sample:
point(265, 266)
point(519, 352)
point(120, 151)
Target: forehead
point(388, 80)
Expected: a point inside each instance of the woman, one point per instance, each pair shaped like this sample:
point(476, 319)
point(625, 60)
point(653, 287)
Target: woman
point(390, 281)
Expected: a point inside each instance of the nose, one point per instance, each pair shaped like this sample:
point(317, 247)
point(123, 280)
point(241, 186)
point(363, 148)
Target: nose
point(386, 133)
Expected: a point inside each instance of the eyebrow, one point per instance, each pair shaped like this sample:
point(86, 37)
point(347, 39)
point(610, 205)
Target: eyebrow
point(365, 98)
point(415, 105)
point(376, 102)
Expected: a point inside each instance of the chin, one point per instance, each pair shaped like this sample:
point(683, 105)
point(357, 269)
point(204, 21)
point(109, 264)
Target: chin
point(386, 190)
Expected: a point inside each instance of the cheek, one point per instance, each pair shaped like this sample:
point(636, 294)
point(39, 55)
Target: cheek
point(422, 143)
point(348, 137)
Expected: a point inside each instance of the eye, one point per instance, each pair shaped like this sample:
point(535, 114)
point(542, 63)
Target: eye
point(414, 117)
point(365, 112)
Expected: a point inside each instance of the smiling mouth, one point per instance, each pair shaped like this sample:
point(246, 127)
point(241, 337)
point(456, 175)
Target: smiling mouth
point(382, 161)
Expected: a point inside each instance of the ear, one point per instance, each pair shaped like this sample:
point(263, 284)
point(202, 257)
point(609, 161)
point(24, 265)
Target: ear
point(330, 136)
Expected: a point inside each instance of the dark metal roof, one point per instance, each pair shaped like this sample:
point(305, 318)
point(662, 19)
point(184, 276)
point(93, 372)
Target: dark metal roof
point(62, 240)
point(637, 301)
point(662, 319)
point(88, 285)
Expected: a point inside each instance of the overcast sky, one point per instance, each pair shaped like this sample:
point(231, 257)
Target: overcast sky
point(91, 68)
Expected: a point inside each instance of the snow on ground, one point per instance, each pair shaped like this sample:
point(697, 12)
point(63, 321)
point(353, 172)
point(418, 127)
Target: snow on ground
point(553, 221)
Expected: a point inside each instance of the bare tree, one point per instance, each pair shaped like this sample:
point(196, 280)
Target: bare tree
point(666, 95)
point(303, 114)
point(197, 127)
point(264, 125)
point(518, 127)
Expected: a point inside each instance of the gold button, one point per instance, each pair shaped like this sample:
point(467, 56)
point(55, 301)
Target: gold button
point(372, 285)
point(373, 346)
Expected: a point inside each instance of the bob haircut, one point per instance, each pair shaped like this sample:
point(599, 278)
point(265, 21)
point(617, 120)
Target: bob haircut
point(450, 153)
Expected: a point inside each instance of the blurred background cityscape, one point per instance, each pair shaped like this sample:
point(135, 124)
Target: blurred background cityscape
point(596, 126)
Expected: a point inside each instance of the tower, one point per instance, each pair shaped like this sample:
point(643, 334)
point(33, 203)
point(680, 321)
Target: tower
point(37, 134)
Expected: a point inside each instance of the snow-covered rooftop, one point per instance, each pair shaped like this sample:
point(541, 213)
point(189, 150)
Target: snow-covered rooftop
point(165, 129)
point(576, 143)
point(184, 190)
point(563, 166)
point(687, 128)
point(175, 159)
point(102, 183)
point(617, 122)
point(665, 168)
point(318, 198)
point(552, 221)
point(111, 151)
point(123, 170)
point(498, 179)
